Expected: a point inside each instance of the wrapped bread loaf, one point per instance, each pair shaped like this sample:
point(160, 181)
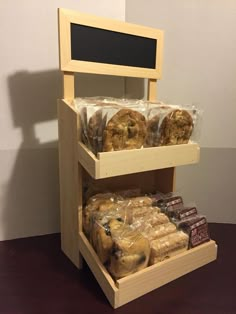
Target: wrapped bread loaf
point(130, 252)
point(168, 246)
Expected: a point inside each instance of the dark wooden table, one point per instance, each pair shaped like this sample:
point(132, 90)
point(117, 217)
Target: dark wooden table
point(36, 277)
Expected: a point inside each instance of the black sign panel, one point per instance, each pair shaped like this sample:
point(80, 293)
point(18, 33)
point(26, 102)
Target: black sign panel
point(103, 46)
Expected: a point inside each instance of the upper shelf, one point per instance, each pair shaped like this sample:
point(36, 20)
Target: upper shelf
point(117, 163)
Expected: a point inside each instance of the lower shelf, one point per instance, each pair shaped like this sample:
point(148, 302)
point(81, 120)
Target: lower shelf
point(148, 279)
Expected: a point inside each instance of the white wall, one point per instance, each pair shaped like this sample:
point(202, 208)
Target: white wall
point(199, 67)
point(30, 83)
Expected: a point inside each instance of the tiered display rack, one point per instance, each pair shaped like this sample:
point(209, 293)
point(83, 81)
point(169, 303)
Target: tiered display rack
point(149, 168)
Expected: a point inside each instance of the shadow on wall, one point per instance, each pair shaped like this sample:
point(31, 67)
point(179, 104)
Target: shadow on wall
point(31, 198)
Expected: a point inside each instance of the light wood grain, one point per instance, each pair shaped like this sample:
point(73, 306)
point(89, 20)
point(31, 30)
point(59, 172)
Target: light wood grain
point(68, 85)
point(158, 275)
point(152, 90)
point(104, 279)
point(138, 160)
point(70, 180)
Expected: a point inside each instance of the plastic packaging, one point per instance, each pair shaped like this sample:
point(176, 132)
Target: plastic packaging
point(170, 202)
point(197, 229)
point(168, 246)
point(130, 252)
point(156, 232)
point(182, 212)
point(99, 202)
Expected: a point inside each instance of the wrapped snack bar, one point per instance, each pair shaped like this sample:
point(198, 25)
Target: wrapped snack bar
point(168, 246)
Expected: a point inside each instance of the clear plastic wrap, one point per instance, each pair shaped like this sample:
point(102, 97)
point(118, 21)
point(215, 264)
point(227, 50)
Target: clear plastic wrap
point(111, 124)
point(126, 129)
point(130, 252)
point(177, 124)
point(168, 246)
point(99, 202)
point(154, 232)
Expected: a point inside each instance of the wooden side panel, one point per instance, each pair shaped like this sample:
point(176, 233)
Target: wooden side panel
point(157, 275)
point(104, 279)
point(70, 182)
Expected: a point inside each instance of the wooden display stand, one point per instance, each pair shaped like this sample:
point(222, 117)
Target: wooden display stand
point(149, 168)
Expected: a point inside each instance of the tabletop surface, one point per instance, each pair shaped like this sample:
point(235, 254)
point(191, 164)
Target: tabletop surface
point(36, 277)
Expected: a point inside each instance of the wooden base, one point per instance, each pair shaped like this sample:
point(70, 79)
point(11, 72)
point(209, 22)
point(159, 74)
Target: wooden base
point(131, 287)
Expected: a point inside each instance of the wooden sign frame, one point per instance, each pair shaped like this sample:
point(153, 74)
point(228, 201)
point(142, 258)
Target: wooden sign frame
point(68, 17)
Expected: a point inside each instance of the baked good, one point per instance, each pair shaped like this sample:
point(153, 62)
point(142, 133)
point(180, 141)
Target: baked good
point(130, 252)
point(125, 130)
point(158, 231)
point(176, 128)
point(101, 236)
point(168, 246)
point(95, 122)
point(99, 202)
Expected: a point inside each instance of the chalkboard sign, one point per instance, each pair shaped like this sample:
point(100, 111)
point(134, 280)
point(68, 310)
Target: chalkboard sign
point(91, 44)
point(105, 46)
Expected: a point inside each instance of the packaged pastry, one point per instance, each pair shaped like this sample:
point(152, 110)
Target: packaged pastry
point(175, 127)
point(104, 225)
point(168, 246)
point(126, 129)
point(130, 251)
point(99, 202)
point(197, 229)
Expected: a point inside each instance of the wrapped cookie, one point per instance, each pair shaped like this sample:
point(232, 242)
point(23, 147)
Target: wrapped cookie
point(126, 129)
point(168, 246)
point(178, 124)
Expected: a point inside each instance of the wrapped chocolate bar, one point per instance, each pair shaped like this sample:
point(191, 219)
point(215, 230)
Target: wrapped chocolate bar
point(169, 202)
point(182, 212)
point(197, 229)
point(168, 246)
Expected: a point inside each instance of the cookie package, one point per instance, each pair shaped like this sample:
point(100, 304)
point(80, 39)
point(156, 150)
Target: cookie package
point(112, 124)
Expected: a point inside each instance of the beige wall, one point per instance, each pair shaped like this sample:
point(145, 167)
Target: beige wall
point(30, 83)
point(199, 67)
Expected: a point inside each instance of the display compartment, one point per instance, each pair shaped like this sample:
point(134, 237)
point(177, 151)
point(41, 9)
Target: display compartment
point(133, 286)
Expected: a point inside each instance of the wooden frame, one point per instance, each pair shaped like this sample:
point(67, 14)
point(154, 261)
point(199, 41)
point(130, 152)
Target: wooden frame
point(154, 168)
point(66, 17)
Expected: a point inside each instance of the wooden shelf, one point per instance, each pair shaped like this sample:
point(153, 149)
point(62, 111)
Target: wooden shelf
point(129, 288)
point(112, 164)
